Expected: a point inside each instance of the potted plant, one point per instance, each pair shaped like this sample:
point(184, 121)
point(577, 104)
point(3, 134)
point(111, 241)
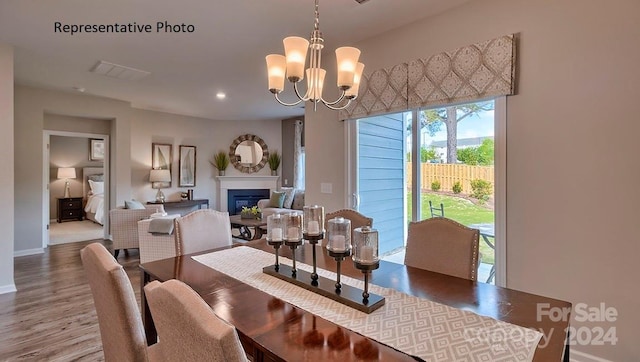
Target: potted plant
point(221, 162)
point(274, 162)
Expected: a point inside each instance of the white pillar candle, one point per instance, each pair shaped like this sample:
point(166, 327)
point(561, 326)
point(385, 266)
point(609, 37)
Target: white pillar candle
point(313, 228)
point(366, 254)
point(338, 243)
point(292, 233)
point(276, 234)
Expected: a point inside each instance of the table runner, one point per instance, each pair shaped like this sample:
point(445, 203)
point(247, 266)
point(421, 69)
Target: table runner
point(415, 326)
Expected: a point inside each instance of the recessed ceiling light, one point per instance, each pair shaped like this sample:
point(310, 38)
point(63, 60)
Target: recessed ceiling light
point(221, 95)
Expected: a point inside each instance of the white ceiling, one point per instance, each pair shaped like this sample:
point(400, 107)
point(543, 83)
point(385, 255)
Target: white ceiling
point(225, 53)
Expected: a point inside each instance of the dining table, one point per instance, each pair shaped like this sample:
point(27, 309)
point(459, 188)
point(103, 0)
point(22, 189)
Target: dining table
point(272, 329)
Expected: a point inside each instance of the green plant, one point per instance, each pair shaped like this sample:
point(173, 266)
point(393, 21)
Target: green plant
point(220, 161)
point(481, 189)
point(254, 210)
point(274, 160)
point(435, 185)
point(457, 187)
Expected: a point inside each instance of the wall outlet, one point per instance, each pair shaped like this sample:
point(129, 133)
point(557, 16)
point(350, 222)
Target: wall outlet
point(286, 182)
point(326, 187)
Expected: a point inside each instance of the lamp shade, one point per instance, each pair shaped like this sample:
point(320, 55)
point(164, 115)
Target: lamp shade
point(66, 172)
point(160, 176)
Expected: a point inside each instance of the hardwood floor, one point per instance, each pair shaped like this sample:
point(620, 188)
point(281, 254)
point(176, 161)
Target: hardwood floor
point(52, 317)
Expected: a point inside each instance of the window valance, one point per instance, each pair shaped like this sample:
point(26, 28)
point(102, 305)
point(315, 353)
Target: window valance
point(473, 72)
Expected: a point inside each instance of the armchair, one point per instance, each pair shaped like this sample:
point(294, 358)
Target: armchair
point(124, 226)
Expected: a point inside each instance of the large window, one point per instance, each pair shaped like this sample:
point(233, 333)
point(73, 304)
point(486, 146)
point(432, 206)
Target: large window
point(453, 172)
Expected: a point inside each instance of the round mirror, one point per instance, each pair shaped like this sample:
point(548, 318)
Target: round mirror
point(248, 153)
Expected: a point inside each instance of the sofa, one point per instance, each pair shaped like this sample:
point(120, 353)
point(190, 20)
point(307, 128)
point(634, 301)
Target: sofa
point(293, 202)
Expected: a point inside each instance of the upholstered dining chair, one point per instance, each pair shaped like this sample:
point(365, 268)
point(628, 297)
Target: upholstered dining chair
point(202, 230)
point(443, 246)
point(121, 329)
point(357, 219)
point(188, 327)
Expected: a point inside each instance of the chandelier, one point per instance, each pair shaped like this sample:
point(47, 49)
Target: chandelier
point(292, 66)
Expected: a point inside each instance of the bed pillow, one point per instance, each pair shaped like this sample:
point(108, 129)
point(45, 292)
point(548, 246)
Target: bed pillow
point(133, 204)
point(277, 199)
point(97, 187)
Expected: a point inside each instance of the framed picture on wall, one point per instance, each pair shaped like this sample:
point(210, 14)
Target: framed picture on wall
point(96, 149)
point(187, 166)
point(161, 156)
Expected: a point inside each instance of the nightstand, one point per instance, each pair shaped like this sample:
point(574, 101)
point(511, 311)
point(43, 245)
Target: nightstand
point(69, 208)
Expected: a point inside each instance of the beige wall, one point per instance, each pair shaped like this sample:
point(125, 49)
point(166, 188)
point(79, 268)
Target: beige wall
point(208, 136)
point(572, 167)
point(7, 175)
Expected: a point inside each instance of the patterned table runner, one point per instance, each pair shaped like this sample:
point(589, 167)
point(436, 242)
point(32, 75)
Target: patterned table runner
point(415, 326)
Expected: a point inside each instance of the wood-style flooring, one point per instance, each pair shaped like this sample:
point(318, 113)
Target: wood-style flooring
point(52, 317)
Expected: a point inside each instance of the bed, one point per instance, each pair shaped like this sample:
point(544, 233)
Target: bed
point(93, 191)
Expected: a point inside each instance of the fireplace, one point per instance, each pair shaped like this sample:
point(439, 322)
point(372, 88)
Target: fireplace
point(237, 198)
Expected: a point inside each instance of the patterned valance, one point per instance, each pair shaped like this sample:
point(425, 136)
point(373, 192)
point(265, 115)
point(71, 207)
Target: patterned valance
point(473, 72)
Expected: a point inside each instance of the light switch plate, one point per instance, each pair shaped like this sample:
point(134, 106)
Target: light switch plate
point(326, 187)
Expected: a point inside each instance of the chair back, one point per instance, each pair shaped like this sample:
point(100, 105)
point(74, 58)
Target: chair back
point(121, 329)
point(435, 210)
point(356, 218)
point(188, 327)
point(202, 230)
point(443, 246)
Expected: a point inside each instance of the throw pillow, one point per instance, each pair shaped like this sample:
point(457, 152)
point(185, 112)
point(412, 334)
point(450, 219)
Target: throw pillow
point(133, 204)
point(277, 199)
point(298, 200)
point(97, 187)
point(289, 192)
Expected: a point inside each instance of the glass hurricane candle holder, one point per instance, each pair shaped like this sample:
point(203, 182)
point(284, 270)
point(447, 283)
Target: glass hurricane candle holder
point(275, 226)
point(365, 255)
point(293, 235)
point(365, 245)
point(313, 221)
point(339, 243)
point(313, 231)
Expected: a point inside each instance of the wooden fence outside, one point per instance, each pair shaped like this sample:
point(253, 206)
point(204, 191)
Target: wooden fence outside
point(448, 174)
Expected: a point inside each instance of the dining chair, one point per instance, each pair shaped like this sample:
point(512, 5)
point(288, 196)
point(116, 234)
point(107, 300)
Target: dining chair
point(443, 246)
point(119, 319)
point(188, 327)
point(202, 230)
point(435, 210)
point(357, 219)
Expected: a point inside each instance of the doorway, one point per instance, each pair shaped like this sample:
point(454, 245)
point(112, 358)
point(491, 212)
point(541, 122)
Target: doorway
point(72, 158)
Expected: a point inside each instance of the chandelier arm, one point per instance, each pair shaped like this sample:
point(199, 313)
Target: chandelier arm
point(330, 106)
point(285, 103)
point(336, 101)
point(302, 98)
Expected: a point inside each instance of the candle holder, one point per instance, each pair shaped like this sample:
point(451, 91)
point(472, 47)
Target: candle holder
point(339, 244)
point(365, 255)
point(313, 231)
point(275, 225)
point(293, 236)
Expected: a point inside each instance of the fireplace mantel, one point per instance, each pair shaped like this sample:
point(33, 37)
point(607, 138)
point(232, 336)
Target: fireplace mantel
point(241, 182)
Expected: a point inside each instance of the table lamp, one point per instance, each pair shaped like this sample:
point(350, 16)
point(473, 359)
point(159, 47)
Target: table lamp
point(66, 173)
point(157, 179)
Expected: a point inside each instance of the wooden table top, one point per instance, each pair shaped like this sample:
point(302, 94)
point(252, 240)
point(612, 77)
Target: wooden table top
point(284, 332)
point(237, 219)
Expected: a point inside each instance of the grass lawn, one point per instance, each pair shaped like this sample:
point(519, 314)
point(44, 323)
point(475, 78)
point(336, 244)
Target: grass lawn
point(460, 210)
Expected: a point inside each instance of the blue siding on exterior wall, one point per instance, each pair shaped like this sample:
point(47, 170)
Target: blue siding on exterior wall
point(381, 182)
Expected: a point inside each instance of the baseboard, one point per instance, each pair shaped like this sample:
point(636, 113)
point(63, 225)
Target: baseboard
point(7, 288)
point(577, 356)
point(26, 252)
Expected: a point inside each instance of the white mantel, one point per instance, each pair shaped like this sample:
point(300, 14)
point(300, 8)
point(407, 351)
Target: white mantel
point(226, 183)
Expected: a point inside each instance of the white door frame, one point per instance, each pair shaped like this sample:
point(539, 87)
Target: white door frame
point(46, 138)
point(500, 187)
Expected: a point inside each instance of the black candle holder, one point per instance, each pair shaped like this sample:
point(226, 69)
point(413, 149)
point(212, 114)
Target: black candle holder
point(313, 240)
point(366, 270)
point(276, 245)
point(293, 244)
point(339, 257)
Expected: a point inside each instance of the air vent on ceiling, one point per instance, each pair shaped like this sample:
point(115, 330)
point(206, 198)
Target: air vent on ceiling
point(118, 71)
